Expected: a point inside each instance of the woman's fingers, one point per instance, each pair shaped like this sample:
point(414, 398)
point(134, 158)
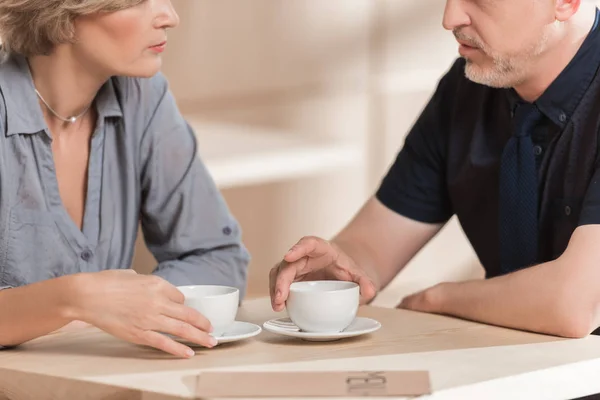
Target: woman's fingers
point(186, 331)
point(188, 315)
point(166, 344)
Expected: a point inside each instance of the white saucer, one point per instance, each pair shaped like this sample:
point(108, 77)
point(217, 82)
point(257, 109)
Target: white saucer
point(239, 330)
point(285, 326)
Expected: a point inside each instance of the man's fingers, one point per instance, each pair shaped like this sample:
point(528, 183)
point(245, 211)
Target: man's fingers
point(403, 303)
point(272, 279)
point(287, 274)
point(309, 246)
point(367, 288)
point(168, 345)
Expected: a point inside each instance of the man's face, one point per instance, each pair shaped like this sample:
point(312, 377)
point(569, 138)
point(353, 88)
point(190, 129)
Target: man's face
point(500, 39)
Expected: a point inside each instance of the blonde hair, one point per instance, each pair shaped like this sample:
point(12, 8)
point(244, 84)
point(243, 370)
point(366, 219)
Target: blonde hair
point(35, 27)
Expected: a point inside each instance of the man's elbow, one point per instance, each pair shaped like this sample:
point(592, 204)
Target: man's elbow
point(576, 317)
point(575, 328)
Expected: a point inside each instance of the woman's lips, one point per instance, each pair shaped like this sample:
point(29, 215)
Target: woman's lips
point(159, 48)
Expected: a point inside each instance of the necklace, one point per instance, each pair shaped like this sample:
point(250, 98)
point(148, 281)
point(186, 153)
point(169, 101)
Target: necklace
point(71, 119)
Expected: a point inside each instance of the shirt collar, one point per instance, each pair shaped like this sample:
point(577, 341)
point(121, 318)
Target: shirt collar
point(23, 112)
point(107, 102)
point(559, 101)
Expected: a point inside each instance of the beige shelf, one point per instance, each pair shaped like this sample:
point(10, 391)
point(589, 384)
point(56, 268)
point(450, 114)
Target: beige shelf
point(239, 155)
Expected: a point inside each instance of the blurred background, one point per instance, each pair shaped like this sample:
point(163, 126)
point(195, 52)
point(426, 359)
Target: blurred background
point(300, 107)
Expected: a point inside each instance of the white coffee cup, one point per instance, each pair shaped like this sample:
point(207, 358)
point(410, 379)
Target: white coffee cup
point(219, 304)
point(323, 306)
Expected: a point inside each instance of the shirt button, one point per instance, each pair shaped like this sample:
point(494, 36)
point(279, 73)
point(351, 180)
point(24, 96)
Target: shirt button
point(562, 117)
point(227, 231)
point(537, 150)
point(567, 211)
point(86, 255)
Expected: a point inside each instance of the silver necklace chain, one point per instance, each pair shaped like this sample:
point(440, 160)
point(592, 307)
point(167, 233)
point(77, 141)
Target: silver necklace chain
point(71, 119)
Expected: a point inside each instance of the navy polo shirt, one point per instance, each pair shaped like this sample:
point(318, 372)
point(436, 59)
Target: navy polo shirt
point(450, 162)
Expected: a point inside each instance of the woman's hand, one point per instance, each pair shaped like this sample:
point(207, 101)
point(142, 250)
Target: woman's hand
point(138, 309)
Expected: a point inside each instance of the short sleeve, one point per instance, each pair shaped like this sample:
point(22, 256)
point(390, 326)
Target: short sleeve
point(590, 209)
point(415, 185)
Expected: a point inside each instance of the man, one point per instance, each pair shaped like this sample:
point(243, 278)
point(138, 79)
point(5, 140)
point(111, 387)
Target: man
point(508, 143)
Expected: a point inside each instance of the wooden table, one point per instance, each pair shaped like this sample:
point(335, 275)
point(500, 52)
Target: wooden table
point(464, 359)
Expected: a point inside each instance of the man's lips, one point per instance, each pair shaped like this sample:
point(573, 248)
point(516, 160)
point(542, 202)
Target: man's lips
point(467, 49)
point(466, 44)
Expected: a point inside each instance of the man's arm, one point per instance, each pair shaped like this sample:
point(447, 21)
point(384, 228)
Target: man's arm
point(185, 220)
point(370, 251)
point(382, 242)
point(412, 203)
point(409, 208)
point(560, 297)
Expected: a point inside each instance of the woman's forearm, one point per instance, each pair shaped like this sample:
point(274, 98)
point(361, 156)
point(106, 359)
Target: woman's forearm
point(35, 310)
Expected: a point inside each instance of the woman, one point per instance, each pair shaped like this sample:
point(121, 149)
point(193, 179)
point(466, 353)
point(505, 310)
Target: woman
point(91, 144)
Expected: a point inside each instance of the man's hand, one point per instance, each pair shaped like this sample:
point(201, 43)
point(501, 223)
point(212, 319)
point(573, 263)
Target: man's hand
point(138, 309)
point(313, 258)
point(429, 300)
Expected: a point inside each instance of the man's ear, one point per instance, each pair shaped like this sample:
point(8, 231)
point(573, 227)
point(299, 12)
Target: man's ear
point(565, 9)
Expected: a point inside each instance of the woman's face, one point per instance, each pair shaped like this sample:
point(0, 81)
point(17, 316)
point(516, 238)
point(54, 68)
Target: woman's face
point(128, 42)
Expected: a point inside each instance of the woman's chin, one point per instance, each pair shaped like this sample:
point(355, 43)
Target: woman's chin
point(145, 69)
